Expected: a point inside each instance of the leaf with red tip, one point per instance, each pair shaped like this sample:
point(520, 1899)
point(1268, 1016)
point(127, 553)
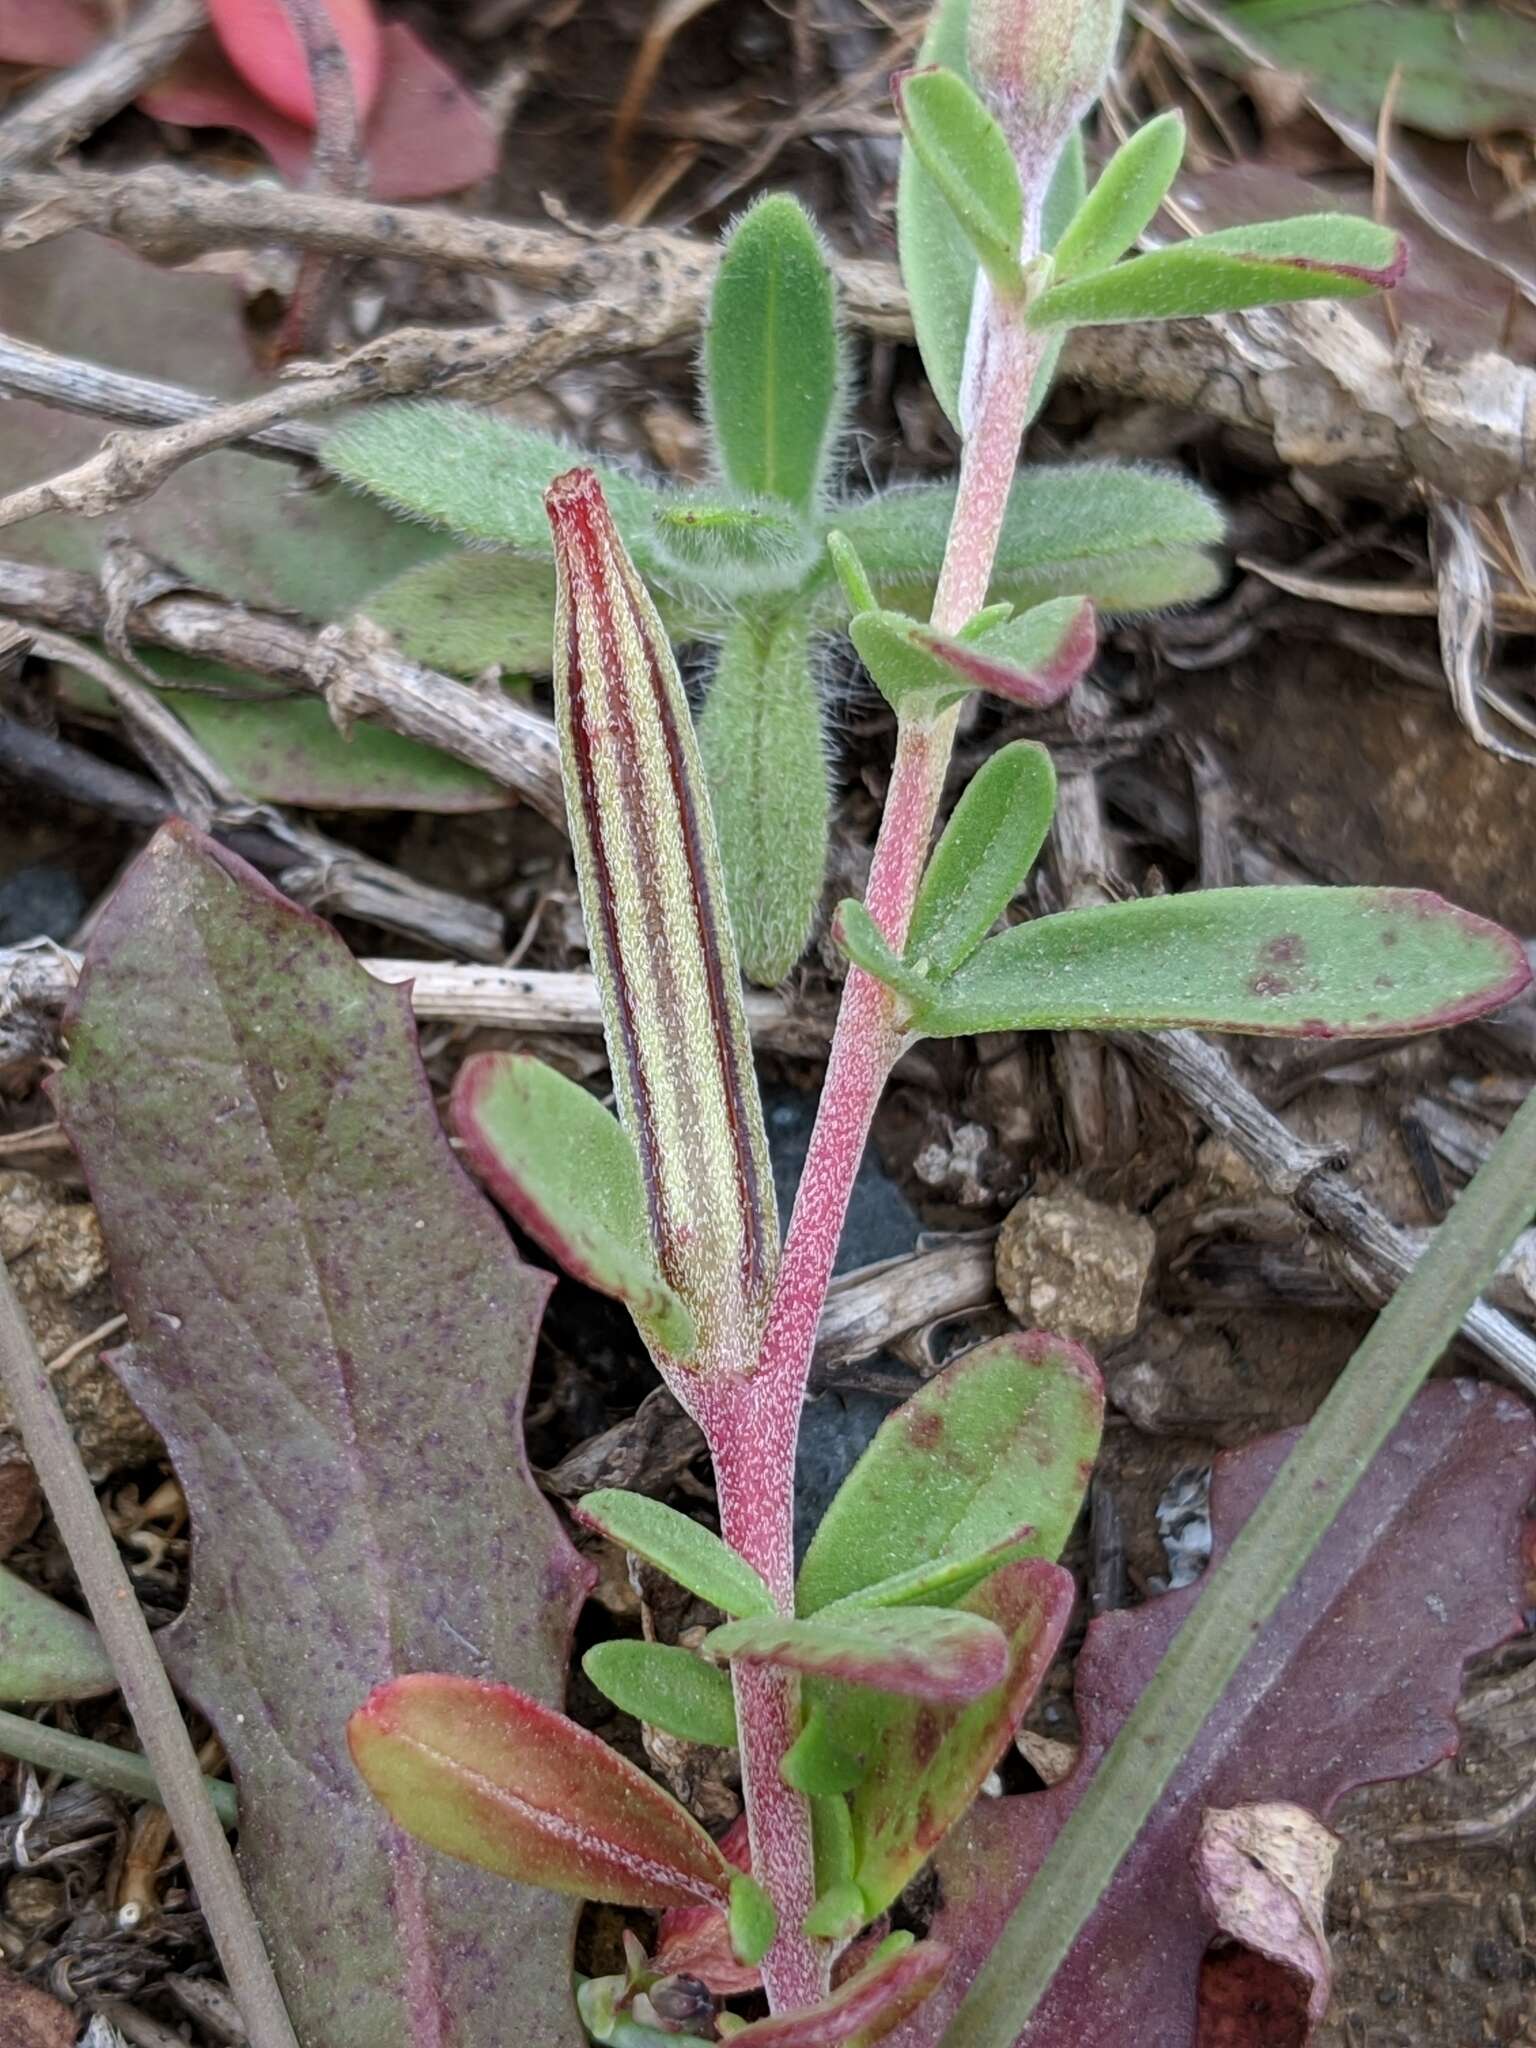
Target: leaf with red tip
point(1317, 256)
point(653, 898)
point(1033, 659)
point(492, 1777)
point(1354, 1680)
point(562, 1166)
point(924, 1653)
point(864, 2009)
point(263, 43)
point(333, 1333)
point(1284, 963)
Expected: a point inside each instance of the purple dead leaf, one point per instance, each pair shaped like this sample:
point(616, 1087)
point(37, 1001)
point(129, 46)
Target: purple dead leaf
point(333, 1334)
point(1355, 1680)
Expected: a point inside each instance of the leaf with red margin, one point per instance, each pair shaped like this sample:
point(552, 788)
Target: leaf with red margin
point(942, 1654)
point(333, 1334)
point(1355, 1680)
point(695, 1941)
point(862, 2010)
point(486, 1774)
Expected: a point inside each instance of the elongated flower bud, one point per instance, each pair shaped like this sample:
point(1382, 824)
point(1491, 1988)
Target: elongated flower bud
point(659, 935)
point(1040, 65)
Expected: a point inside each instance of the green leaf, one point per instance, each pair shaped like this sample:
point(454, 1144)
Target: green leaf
point(926, 1764)
point(857, 588)
point(47, 1651)
point(1288, 963)
point(681, 1547)
point(1005, 1435)
point(990, 844)
point(821, 1762)
point(938, 266)
point(1463, 71)
point(1100, 528)
point(473, 610)
point(667, 1687)
point(488, 1775)
point(855, 931)
point(942, 1581)
point(965, 152)
point(753, 1922)
point(562, 1166)
point(1033, 659)
point(465, 612)
point(1125, 199)
point(734, 548)
point(1316, 256)
point(772, 363)
point(832, 1836)
point(838, 1914)
point(927, 1653)
point(474, 473)
point(761, 741)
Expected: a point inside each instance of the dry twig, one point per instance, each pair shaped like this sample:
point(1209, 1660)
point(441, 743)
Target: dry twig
point(74, 102)
point(358, 677)
point(1314, 379)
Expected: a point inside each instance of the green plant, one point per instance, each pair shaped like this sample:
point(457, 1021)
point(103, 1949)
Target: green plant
point(872, 1691)
point(742, 562)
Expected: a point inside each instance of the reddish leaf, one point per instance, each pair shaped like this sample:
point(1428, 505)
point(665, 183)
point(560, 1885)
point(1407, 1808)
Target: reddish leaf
point(426, 132)
point(863, 2009)
point(1354, 1680)
point(696, 1940)
point(485, 1773)
point(333, 1334)
point(261, 42)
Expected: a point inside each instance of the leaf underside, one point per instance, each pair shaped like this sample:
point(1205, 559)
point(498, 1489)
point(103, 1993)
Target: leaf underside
point(932, 1653)
point(333, 1334)
point(1352, 1682)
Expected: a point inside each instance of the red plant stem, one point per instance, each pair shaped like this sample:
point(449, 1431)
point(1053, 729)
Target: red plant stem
point(752, 1425)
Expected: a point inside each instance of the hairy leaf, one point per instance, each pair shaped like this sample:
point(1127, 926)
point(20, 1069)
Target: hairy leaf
point(761, 741)
point(1124, 201)
point(1041, 64)
point(966, 154)
point(667, 1687)
point(1101, 529)
point(991, 842)
point(653, 899)
point(1317, 256)
point(489, 1776)
point(231, 523)
point(925, 1653)
point(734, 548)
point(1354, 1680)
point(864, 2008)
point(1287, 962)
point(47, 1651)
point(469, 610)
point(1034, 659)
point(1003, 1437)
point(681, 1547)
point(333, 1334)
point(924, 1765)
point(562, 1166)
point(474, 473)
point(772, 365)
